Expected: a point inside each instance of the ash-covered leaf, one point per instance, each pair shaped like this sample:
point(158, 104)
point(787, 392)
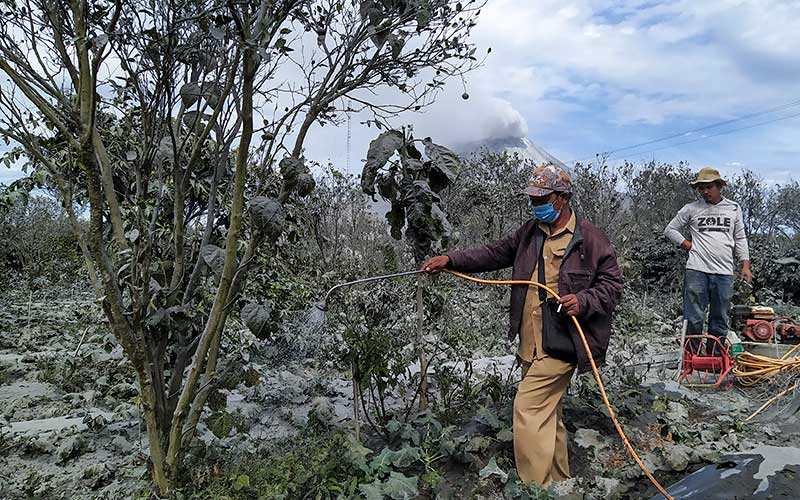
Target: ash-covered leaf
point(190, 93)
point(478, 444)
point(676, 412)
point(422, 9)
point(296, 176)
point(492, 469)
point(402, 458)
point(305, 184)
point(195, 119)
point(291, 168)
point(370, 10)
point(100, 40)
point(505, 435)
point(418, 200)
point(217, 33)
point(412, 151)
point(268, 215)
point(590, 438)
point(396, 44)
point(444, 166)
point(677, 456)
point(214, 257)
point(211, 92)
point(401, 487)
point(448, 447)
point(372, 491)
point(165, 151)
point(397, 219)
point(419, 167)
point(421, 239)
point(356, 453)
point(380, 150)
point(256, 317)
point(488, 417)
point(410, 435)
point(393, 426)
point(387, 186)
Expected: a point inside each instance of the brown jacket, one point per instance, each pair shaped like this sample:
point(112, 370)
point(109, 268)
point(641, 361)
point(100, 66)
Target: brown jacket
point(589, 270)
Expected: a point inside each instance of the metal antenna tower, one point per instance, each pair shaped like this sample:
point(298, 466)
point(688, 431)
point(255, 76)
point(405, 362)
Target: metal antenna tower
point(347, 158)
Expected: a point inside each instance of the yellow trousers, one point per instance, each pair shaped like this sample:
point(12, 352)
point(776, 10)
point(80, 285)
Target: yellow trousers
point(540, 438)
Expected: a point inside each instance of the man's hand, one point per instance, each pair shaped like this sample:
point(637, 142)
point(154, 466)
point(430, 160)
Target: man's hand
point(435, 263)
point(570, 304)
point(747, 275)
point(686, 245)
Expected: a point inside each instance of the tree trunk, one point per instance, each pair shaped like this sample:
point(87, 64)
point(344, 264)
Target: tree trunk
point(205, 358)
point(155, 434)
point(356, 408)
point(87, 257)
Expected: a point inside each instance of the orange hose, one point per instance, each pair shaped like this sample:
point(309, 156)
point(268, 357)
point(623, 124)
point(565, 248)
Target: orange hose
point(628, 445)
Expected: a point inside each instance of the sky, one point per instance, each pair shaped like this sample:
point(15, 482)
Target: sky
point(580, 77)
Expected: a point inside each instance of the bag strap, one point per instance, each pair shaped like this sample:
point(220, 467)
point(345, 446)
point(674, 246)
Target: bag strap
point(540, 266)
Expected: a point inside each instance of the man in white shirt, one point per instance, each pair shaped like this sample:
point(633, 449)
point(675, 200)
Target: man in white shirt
point(715, 236)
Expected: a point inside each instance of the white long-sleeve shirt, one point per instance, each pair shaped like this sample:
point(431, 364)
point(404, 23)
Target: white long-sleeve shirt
point(717, 234)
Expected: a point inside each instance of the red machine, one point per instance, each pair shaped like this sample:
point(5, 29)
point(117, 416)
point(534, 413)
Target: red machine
point(759, 324)
point(758, 330)
point(788, 331)
point(705, 365)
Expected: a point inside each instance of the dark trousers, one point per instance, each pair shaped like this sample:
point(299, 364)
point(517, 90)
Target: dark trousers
point(713, 291)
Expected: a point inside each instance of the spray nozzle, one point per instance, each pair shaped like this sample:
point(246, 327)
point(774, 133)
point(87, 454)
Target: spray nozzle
point(322, 305)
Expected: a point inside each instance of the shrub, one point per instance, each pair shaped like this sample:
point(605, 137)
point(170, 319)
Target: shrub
point(36, 241)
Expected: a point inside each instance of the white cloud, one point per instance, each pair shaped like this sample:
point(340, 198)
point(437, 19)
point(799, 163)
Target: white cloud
point(453, 120)
point(656, 60)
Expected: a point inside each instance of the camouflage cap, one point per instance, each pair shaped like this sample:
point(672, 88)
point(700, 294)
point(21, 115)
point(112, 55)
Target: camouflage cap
point(548, 178)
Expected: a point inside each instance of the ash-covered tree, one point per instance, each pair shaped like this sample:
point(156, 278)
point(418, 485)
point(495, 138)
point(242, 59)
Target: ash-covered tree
point(489, 203)
point(759, 202)
point(596, 196)
point(181, 126)
point(396, 169)
point(654, 193)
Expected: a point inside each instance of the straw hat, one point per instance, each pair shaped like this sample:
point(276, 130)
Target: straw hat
point(706, 175)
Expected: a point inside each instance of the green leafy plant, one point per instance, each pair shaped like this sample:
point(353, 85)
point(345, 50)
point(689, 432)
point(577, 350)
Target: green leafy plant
point(515, 489)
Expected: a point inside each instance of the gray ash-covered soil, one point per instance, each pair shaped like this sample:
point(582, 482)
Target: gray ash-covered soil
point(70, 425)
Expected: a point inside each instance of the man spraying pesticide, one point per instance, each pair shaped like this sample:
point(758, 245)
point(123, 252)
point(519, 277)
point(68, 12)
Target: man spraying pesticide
point(565, 286)
point(558, 249)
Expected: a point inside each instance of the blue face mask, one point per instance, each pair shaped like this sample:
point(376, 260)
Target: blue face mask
point(545, 213)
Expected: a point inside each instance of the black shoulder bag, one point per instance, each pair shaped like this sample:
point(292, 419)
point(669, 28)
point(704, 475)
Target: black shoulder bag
point(556, 338)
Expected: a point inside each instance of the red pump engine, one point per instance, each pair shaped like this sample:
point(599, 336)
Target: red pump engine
point(758, 330)
point(789, 331)
point(761, 324)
